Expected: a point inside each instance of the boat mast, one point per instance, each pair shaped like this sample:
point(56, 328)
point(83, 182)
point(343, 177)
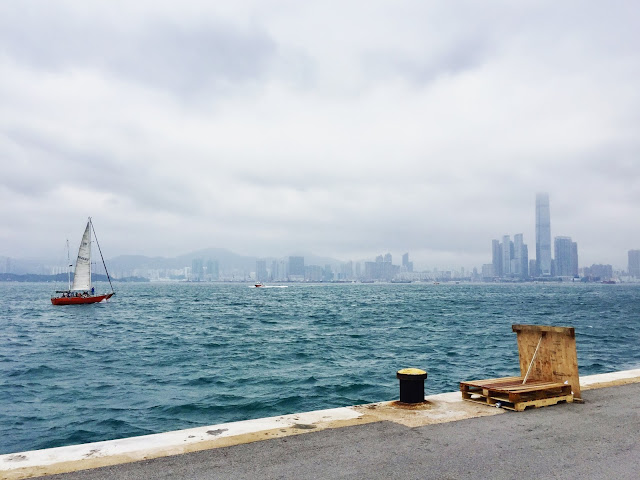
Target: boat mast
point(90, 255)
point(69, 267)
point(100, 250)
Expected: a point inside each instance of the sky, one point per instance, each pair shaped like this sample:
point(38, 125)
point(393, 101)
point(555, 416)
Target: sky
point(340, 128)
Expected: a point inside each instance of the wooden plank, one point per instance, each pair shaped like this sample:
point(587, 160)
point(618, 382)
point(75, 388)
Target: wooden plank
point(544, 402)
point(513, 385)
point(496, 380)
point(557, 360)
point(544, 328)
point(521, 406)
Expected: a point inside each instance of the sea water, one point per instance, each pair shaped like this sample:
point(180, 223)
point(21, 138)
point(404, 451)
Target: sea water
point(161, 357)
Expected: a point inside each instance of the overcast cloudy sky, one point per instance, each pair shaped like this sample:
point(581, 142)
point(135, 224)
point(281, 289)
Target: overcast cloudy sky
point(342, 128)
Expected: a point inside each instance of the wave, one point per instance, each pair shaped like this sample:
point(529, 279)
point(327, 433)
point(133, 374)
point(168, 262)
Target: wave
point(139, 366)
point(35, 373)
point(202, 381)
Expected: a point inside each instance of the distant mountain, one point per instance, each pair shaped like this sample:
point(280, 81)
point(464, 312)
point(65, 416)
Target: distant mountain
point(131, 262)
point(60, 278)
point(311, 259)
point(227, 261)
point(23, 266)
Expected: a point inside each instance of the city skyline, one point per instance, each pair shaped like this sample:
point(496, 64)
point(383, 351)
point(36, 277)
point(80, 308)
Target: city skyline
point(224, 265)
point(415, 127)
point(518, 254)
point(565, 267)
point(510, 259)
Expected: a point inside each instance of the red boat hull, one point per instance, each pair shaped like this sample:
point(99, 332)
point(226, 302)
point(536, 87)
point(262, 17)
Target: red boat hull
point(80, 300)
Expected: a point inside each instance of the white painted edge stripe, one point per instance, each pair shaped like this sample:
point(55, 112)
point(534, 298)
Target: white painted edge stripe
point(181, 438)
point(608, 377)
point(178, 438)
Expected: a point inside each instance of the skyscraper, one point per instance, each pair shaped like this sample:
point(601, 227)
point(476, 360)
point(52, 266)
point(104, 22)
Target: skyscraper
point(543, 235)
point(574, 259)
point(296, 268)
point(408, 266)
point(197, 269)
point(261, 270)
point(564, 256)
point(496, 258)
point(520, 257)
point(507, 255)
point(213, 270)
point(634, 263)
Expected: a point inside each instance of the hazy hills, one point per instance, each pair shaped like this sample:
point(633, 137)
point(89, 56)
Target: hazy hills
point(227, 261)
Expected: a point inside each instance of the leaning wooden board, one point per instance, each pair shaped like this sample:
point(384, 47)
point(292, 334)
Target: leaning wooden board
point(556, 361)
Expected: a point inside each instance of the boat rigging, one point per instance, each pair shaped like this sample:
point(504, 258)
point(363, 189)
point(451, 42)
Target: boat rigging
point(82, 291)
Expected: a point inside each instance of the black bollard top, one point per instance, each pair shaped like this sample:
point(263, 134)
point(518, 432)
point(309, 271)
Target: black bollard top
point(411, 374)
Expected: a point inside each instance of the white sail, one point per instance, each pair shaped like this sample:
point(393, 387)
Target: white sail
point(82, 276)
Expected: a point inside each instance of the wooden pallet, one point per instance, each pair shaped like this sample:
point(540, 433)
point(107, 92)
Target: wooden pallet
point(510, 393)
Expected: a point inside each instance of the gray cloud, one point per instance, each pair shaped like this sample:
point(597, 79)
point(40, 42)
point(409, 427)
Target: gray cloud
point(272, 127)
point(158, 52)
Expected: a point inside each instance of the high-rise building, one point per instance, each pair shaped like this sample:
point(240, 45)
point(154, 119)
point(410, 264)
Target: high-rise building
point(510, 258)
point(279, 270)
point(296, 268)
point(261, 270)
point(197, 269)
point(543, 235)
point(406, 264)
point(487, 271)
point(373, 270)
point(520, 257)
point(566, 253)
point(313, 273)
point(518, 247)
point(496, 257)
point(213, 270)
point(634, 263)
point(506, 255)
point(381, 269)
point(574, 259)
point(346, 271)
point(532, 266)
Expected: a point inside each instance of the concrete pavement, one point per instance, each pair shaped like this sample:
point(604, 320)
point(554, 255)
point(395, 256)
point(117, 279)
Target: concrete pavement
point(596, 439)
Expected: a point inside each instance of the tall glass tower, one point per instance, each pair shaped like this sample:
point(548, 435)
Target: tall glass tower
point(543, 235)
point(563, 247)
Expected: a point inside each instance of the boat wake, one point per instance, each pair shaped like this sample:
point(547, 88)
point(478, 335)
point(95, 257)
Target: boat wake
point(269, 286)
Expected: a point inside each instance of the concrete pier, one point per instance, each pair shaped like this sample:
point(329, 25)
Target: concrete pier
point(443, 437)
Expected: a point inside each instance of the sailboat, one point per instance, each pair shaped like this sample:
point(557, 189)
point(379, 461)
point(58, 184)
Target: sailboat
point(82, 291)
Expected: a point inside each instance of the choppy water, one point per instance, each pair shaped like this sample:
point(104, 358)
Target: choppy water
point(160, 357)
